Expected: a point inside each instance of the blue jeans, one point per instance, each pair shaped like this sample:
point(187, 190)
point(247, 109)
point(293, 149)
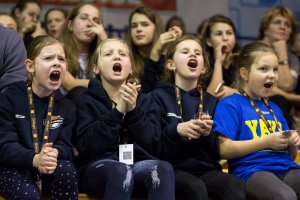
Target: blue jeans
point(112, 179)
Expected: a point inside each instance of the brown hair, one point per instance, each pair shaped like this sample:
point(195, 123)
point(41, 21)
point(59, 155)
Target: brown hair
point(37, 44)
point(249, 54)
point(139, 59)
point(168, 74)
point(63, 11)
point(210, 23)
point(68, 39)
point(270, 14)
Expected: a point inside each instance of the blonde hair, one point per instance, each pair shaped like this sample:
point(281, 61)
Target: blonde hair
point(95, 58)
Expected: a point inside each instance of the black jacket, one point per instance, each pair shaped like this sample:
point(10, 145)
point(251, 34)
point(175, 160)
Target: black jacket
point(195, 156)
point(16, 143)
point(99, 127)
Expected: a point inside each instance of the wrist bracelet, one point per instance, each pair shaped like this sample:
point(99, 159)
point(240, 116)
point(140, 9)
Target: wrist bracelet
point(283, 62)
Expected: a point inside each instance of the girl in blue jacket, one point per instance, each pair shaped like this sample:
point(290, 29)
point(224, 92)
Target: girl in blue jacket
point(184, 114)
point(36, 124)
point(115, 139)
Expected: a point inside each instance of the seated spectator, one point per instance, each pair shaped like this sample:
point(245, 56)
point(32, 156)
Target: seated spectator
point(8, 21)
point(27, 14)
point(55, 19)
point(36, 123)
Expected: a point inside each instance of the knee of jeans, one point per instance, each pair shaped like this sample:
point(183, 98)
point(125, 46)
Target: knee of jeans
point(124, 174)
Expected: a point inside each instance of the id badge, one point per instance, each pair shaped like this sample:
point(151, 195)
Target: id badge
point(126, 153)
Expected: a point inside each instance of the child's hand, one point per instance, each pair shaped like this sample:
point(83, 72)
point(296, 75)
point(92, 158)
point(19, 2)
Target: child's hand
point(46, 163)
point(294, 139)
point(206, 126)
point(277, 141)
point(164, 39)
point(129, 93)
point(190, 129)
point(226, 91)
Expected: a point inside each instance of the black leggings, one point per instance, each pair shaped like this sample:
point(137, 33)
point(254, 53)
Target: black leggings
point(215, 184)
point(20, 184)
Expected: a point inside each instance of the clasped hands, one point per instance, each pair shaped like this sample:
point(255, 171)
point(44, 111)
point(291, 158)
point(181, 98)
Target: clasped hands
point(195, 128)
point(46, 160)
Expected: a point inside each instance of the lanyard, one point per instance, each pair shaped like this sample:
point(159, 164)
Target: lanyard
point(33, 119)
point(178, 99)
point(258, 111)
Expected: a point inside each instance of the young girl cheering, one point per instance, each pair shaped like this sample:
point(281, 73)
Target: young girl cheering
point(253, 133)
point(36, 124)
point(183, 112)
point(114, 138)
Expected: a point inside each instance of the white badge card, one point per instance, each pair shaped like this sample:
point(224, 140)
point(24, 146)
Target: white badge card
point(126, 153)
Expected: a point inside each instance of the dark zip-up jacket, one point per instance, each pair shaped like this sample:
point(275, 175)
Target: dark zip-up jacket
point(195, 156)
point(99, 127)
point(16, 141)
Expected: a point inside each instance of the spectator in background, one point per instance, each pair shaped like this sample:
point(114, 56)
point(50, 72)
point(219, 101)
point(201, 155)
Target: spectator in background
point(82, 33)
point(55, 19)
point(175, 21)
point(149, 43)
point(8, 21)
point(219, 41)
point(277, 29)
point(12, 57)
point(27, 14)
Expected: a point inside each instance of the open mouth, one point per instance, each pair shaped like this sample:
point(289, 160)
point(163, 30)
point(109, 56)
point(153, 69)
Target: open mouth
point(268, 85)
point(224, 49)
point(192, 63)
point(117, 67)
point(54, 76)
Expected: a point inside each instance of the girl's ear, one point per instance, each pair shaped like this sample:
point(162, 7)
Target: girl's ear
point(29, 66)
point(208, 42)
point(96, 69)
point(244, 73)
point(170, 65)
point(70, 25)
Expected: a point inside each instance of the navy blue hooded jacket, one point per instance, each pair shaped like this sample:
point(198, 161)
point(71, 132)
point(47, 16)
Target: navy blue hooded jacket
point(16, 142)
point(99, 127)
point(194, 156)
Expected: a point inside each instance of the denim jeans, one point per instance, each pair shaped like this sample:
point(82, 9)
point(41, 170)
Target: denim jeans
point(110, 179)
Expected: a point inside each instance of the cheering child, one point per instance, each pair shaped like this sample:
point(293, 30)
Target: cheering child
point(254, 136)
point(36, 123)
